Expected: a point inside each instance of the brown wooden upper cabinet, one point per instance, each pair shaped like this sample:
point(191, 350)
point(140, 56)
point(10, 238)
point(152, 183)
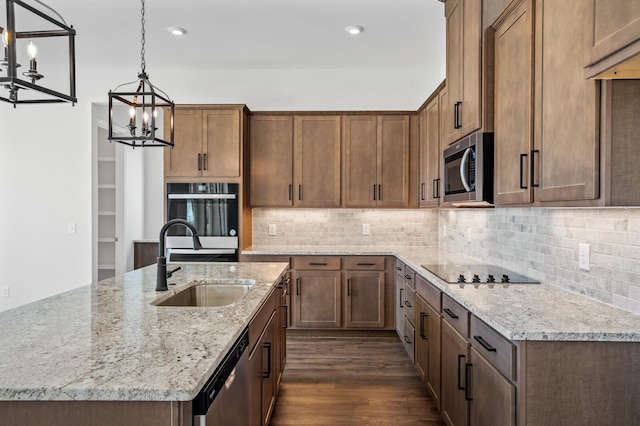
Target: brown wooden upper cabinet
point(207, 143)
point(613, 39)
point(546, 114)
point(376, 161)
point(464, 68)
point(295, 161)
point(429, 119)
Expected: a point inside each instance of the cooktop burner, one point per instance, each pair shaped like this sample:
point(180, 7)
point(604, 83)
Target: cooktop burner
point(478, 274)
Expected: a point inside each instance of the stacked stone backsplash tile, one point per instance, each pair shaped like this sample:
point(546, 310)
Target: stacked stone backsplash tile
point(543, 243)
point(331, 227)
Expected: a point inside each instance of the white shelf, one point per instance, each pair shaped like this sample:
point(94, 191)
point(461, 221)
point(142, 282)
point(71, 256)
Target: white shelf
point(106, 186)
point(106, 266)
point(106, 213)
point(113, 159)
point(107, 239)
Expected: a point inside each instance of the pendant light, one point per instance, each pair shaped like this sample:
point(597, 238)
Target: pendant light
point(142, 101)
point(15, 89)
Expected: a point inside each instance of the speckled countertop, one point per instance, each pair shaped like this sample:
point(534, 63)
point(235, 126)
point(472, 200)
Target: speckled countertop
point(519, 312)
point(107, 342)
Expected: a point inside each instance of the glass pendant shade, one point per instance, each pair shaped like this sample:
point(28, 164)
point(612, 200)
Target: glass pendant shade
point(23, 31)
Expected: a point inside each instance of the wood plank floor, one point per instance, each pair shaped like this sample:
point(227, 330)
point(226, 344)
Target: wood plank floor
point(351, 381)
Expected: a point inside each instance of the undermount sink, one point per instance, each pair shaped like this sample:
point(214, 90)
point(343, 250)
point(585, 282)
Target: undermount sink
point(208, 294)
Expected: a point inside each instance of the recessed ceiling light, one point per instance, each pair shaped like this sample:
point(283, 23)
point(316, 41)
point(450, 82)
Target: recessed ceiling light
point(354, 29)
point(177, 31)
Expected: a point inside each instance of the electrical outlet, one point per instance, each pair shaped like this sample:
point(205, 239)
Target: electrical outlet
point(468, 235)
point(71, 228)
point(444, 231)
point(583, 257)
point(4, 291)
point(272, 229)
point(366, 229)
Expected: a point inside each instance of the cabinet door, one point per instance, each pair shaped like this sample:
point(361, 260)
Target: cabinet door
point(261, 379)
point(393, 161)
point(271, 153)
point(464, 66)
point(221, 144)
point(428, 347)
point(399, 304)
point(360, 161)
point(365, 299)
point(185, 158)
point(493, 398)
point(513, 127)
point(317, 161)
point(454, 24)
point(430, 193)
point(455, 356)
point(408, 339)
point(564, 96)
point(317, 296)
point(267, 346)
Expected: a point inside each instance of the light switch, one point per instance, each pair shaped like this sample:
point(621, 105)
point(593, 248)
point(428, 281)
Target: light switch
point(583, 257)
point(272, 229)
point(366, 229)
point(71, 228)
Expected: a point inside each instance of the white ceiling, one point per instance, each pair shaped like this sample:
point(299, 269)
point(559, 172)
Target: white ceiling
point(258, 34)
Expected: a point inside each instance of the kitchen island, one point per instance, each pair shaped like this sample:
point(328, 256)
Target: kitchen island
point(105, 346)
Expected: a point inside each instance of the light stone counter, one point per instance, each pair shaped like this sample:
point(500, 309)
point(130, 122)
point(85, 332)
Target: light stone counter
point(107, 342)
point(519, 312)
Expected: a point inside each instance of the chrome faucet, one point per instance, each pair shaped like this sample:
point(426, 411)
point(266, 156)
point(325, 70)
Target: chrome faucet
point(161, 279)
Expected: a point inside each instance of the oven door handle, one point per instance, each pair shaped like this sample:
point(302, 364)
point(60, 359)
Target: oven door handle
point(463, 169)
point(202, 196)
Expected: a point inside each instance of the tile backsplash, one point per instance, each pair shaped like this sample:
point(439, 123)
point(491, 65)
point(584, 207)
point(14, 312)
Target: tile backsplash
point(539, 242)
point(330, 227)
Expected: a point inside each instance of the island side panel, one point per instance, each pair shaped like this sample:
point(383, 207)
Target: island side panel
point(586, 383)
point(95, 413)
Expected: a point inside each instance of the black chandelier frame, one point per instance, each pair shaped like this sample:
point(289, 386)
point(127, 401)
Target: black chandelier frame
point(12, 82)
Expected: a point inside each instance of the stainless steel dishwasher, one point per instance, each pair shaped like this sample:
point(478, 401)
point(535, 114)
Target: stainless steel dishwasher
point(224, 398)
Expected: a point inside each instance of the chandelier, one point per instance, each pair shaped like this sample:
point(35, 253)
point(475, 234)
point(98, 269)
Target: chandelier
point(52, 33)
point(142, 101)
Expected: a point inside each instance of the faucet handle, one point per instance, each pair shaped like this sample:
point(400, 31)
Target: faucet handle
point(170, 273)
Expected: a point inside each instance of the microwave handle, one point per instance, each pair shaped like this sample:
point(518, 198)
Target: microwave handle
point(463, 167)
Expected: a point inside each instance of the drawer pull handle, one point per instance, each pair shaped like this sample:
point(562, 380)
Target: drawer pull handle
point(398, 268)
point(460, 387)
point(297, 286)
point(422, 317)
point(406, 339)
point(407, 277)
point(450, 313)
point(467, 388)
point(407, 304)
point(349, 287)
point(318, 263)
point(401, 298)
point(365, 264)
point(484, 344)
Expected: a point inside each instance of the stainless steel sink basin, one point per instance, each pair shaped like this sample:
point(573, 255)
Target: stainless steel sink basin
point(207, 295)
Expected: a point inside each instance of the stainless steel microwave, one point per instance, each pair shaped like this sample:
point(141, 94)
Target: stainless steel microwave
point(468, 171)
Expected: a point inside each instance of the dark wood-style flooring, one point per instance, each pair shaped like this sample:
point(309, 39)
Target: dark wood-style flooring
point(351, 381)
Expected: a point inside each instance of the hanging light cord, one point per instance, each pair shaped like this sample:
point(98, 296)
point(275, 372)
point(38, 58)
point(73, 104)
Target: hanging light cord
point(143, 64)
point(53, 10)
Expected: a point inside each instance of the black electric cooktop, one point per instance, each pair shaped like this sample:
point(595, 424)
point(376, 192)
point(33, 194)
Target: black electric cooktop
point(478, 274)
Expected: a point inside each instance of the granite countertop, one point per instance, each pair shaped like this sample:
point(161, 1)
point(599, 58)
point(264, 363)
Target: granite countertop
point(106, 341)
point(518, 312)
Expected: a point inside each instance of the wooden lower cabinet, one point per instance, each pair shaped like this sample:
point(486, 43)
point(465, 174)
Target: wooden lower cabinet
point(317, 299)
point(492, 397)
point(335, 292)
point(262, 382)
point(364, 300)
point(428, 323)
point(455, 356)
point(399, 303)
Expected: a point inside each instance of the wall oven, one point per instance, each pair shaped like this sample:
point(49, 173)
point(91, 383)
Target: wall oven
point(213, 209)
point(468, 171)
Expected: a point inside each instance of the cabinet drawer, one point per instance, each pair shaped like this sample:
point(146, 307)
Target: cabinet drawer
point(365, 263)
point(259, 322)
point(409, 303)
point(399, 268)
point(408, 339)
point(456, 315)
point(329, 263)
point(493, 346)
point(410, 277)
point(429, 292)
